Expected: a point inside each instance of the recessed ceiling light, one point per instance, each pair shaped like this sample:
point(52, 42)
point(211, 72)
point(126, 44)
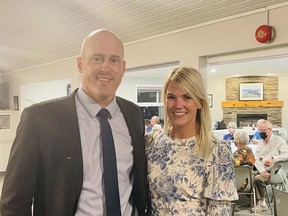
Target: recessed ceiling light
point(213, 70)
point(271, 74)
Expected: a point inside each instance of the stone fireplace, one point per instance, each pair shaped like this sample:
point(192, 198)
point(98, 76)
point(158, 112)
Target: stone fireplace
point(246, 113)
point(249, 120)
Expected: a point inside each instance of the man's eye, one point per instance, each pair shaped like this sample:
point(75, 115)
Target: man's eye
point(98, 59)
point(115, 61)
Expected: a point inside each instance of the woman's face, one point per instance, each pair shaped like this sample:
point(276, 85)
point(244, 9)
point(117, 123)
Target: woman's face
point(180, 108)
point(231, 129)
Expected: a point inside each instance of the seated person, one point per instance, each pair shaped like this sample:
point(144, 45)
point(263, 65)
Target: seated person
point(154, 120)
point(244, 154)
point(157, 127)
point(256, 136)
point(232, 126)
point(270, 149)
point(147, 124)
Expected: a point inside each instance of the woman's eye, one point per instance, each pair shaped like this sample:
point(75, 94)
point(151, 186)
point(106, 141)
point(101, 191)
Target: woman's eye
point(187, 97)
point(170, 97)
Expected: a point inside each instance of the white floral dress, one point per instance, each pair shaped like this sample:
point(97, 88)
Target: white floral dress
point(182, 183)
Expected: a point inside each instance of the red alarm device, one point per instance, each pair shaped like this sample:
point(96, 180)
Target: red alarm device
point(263, 33)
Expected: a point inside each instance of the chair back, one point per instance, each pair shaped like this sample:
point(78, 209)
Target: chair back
point(278, 173)
point(243, 175)
point(280, 202)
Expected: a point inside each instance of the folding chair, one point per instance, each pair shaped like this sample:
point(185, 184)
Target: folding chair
point(242, 174)
point(280, 202)
point(232, 209)
point(278, 179)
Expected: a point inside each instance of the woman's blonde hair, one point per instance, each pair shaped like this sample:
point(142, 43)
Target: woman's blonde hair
point(191, 81)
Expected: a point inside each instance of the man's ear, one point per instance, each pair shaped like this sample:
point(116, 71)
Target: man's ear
point(79, 64)
point(124, 67)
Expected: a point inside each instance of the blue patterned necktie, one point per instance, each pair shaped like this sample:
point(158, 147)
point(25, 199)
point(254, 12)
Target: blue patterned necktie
point(109, 165)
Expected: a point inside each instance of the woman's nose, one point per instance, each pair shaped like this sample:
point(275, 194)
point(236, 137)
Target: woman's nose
point(178, 103)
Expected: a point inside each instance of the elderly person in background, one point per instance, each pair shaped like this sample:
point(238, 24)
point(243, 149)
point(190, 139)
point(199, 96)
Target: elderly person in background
point(243, 155)
point(154, 120)
point(256, 136)
point(157, 127)
point(270, 149)
point(232, 126)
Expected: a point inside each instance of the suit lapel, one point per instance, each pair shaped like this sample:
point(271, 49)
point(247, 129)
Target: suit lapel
point(71, 138)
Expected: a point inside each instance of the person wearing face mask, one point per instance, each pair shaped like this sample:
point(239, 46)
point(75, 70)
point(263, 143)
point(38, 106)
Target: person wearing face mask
point(256, 136)
point(232, 126)
point(270, 149)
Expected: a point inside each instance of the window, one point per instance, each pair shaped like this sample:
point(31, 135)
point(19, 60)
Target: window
point(149, 100)
point(149, 94)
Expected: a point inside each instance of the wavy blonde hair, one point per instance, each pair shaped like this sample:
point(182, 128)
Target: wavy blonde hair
point(191, 81)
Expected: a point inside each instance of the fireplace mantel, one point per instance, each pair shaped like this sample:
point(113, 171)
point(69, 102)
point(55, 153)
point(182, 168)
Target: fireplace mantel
point(270, 103)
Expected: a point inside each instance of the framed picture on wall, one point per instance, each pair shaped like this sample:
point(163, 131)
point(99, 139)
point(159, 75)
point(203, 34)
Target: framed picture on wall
point(210, 99)
point(251, 91)
point(16, 103)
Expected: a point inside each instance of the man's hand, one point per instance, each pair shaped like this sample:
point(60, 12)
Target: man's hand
point(254, 141)
point(265, 174)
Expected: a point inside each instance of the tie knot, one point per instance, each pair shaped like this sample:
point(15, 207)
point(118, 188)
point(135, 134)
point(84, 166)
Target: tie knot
point(104, 114)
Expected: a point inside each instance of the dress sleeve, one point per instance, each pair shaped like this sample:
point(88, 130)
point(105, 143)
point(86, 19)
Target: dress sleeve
point(250, 157)
point(238, 157)
point(220, 181)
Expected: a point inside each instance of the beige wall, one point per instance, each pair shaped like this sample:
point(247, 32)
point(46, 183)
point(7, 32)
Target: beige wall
point(226, 37)
point(231, 36)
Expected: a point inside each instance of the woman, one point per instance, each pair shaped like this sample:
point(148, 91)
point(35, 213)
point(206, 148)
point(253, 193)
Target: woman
point(243, 155)
point(232, 126)
point(189, 172)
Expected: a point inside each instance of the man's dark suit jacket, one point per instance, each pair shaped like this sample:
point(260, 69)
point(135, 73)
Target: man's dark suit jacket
point(46, 166)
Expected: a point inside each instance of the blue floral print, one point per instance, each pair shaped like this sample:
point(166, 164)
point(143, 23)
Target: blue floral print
point(184, 183)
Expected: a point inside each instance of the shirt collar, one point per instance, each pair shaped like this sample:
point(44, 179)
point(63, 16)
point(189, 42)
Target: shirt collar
point(92, 106)
point(267, 141)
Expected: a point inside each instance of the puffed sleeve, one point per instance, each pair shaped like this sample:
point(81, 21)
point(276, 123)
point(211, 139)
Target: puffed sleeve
point(220, 181)
point(238, 157)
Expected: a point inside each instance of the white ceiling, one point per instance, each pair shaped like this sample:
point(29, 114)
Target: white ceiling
point(35, 32)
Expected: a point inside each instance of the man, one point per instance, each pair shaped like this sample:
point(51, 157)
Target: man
point(270, 150)
point(56, 159)
point(154, 120)
point(256, 136)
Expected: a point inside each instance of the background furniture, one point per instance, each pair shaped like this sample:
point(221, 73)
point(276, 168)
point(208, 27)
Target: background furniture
point(278, 179)
point(242, 174)
point(280, 202)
